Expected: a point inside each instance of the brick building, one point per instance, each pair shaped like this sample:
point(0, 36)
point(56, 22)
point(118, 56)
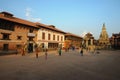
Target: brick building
point(72, 40)
point(16, 33)
point(115, 41)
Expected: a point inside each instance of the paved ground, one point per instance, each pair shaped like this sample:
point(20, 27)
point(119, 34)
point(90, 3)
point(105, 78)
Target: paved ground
point(69, 66)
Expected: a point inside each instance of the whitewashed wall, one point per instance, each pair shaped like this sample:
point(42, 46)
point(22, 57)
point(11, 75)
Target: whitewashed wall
point(46, 41)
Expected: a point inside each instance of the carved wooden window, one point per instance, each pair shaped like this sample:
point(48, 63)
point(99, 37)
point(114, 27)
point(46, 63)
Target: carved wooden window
point(43, 35)
point(53, 37)
point(57, 38)
point(5, 36)
point(49, 36)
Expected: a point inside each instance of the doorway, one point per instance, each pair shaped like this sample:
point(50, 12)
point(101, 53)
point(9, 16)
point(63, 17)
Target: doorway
point(5, 47)
point(30, 48)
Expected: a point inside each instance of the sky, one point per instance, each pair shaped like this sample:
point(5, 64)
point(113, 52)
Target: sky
point(74, 16)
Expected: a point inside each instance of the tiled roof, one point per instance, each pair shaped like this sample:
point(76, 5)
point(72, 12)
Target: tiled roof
point(70, 34)
point(116, 35)
point(7, 13)
point(89, 35)
point(50, 27)
point(16, 20)
point(11, 18)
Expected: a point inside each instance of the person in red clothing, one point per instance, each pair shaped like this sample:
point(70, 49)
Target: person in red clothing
point(37, 52)
point(23, 51)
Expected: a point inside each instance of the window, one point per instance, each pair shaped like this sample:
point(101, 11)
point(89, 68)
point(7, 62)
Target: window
point(53, 37)
point(31, 30)
point(5, 36)
point(43, 35)
point(30, 38)
point(61, 38)
point(6, 25)
point(53, 45)
point(43, 45)
point(19, 37)
point(57, 38)
point(48, 36)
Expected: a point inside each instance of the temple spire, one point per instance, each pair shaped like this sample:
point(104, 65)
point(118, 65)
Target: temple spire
point(103, 24)
point(103, 28)
point(104, 39)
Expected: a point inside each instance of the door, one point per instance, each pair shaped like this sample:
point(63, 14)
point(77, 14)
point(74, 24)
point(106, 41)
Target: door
point(5, 47)
point(30, 48)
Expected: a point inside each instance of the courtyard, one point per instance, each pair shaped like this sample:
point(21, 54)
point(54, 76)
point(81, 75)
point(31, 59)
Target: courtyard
point(70, 66)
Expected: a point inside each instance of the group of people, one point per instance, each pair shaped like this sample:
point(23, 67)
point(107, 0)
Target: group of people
point(46, 51)
point(37, 51)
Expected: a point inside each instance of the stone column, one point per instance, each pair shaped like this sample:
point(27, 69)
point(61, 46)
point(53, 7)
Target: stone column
point(86, 42)
point(91, 41)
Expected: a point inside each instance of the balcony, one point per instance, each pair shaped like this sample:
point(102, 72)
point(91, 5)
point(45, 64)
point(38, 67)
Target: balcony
point(31, 35)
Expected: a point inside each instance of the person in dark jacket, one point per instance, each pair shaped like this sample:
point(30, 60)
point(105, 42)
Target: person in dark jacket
point(59, 51)
point(46, 53)
point(81, 52)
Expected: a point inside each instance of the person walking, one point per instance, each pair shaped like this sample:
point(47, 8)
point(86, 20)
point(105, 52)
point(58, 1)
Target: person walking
point(36, 50)
point(81, 52)
point(23, 51)
point(59, 51)
point(46, 54)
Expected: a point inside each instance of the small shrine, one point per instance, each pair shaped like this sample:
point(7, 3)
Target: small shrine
point(88, 42)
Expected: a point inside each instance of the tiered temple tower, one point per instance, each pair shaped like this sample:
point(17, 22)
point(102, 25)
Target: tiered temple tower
point(104, 39)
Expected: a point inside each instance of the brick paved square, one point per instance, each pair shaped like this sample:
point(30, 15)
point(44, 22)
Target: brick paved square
point(70, 66)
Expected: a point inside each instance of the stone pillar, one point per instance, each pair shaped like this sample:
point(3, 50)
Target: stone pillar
point(86, 43)
point(91, 41)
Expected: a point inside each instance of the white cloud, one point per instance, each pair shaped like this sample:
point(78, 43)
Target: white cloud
point(28, 10)
point(30, 17)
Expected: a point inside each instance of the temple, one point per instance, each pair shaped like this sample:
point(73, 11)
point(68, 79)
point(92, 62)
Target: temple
point(104, 39)
point(88, 42)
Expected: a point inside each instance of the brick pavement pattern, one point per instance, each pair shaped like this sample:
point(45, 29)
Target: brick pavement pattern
point(70, 66)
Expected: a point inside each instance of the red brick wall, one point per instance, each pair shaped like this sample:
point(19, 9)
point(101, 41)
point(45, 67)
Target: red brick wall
point(20, 30)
